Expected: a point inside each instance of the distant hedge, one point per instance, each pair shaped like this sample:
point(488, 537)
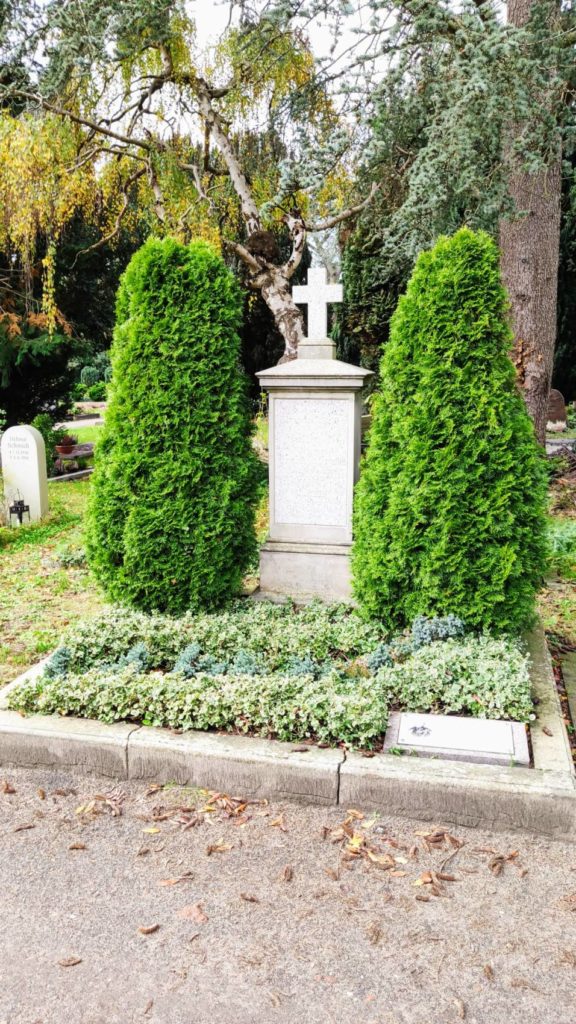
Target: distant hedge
point(171, 513)
point(450, 506)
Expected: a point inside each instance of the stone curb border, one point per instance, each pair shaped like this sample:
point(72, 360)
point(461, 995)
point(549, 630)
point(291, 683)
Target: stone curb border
point(540, 799)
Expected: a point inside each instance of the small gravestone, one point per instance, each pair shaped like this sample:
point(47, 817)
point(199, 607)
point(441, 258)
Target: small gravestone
point(454, 738)
point(556, 414)
point(24, 473)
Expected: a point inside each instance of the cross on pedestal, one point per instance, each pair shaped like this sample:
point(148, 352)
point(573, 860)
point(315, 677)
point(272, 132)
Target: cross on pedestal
point(317, 294)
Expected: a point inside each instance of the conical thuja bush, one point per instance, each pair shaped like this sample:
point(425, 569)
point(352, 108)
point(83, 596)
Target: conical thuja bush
point(171, 514)
point(450, 505)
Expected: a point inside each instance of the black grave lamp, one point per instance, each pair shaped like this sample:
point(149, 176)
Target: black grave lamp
point(19, 509)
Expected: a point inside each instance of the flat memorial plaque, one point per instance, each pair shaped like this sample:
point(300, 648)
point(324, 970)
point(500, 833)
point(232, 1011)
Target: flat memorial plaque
point(456, 738)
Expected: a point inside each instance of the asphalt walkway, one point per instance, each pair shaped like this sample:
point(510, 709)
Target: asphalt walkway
point(135, 903)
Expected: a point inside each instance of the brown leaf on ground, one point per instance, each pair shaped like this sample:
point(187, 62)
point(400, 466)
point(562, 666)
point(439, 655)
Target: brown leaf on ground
point(547, 731)
point(288, 873)
point(460, 1008)
point(424, 879)
point(248, 898)
point(70, 961)
point(382, 860)
point(488, 972)
point(6, 787)
point(154, 787)
point(77, 846)
point(398, 874)
point(374, 933)
point(219, 847)
point(193, 912)
point(174, 881)
point(279, 822)
point(568, 958)
point(148, 929)
point(24, 828)
point(41, 793)
point(148, 1007)
point(422, 897)
point(334, 875)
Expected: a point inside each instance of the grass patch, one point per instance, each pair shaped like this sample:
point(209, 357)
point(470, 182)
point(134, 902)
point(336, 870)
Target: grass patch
point(39, 597)
point(85, 434)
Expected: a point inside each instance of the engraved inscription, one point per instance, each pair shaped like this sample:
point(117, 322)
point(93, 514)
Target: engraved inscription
point(312, 438)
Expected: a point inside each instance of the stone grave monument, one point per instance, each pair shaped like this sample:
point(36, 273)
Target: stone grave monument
point(315, 407)
point(556, 413)
point(24, 472)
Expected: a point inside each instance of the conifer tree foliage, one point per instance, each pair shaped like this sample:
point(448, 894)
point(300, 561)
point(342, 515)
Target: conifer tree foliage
point(450, 506)
point(171, 515)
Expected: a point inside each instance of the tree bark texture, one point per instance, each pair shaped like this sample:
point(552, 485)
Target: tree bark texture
point(530, 246)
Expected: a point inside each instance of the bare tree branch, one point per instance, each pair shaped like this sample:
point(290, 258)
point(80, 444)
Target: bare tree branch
point(331, 222)
point(120, 216)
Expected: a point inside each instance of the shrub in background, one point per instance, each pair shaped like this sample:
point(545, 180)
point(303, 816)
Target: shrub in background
point(450, 506)
point(171, 513)
point(44, 422)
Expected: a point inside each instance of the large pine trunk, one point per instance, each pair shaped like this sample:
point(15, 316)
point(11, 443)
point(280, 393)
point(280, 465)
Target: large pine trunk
point(530, 245)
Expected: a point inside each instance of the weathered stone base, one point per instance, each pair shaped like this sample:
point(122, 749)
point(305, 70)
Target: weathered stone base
point(305, 571)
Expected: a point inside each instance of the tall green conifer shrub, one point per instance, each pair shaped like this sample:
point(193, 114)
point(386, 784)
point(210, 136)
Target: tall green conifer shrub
point(449, 509)
point(170, 523)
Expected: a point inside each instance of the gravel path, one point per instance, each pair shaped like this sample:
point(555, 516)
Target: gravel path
point(181, 908)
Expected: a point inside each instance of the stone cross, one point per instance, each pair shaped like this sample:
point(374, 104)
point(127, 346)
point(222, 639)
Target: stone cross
point(24, 472)
point(317, 294)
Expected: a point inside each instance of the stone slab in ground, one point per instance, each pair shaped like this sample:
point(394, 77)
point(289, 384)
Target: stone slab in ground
point(454, 737)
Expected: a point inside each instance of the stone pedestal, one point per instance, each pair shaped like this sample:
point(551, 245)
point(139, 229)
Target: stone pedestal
point(315, 409)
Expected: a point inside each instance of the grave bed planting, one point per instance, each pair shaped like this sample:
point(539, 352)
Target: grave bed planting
point(314, 673)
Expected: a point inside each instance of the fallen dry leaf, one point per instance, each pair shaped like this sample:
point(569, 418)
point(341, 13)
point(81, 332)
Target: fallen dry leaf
point(279, 822)
point(249, 898)
point(547, 731)
point(422, 897)
point(219, 847)
point(151, 831)
point(488, 972)
point(77, 846)
point(70, 961)
point(148, 929)
point(6, 787)
point(460, 1008)
point(148, 1007)
point(398, 874)
point(568, 958)
point(382, 860)
point(193, 912)
point(24, 828)
point(374, 933)
point(288, 873)
point(41, 793)
point(175, 881)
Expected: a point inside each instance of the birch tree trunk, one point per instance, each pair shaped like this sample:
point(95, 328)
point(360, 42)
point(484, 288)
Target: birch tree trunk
point(530, 246)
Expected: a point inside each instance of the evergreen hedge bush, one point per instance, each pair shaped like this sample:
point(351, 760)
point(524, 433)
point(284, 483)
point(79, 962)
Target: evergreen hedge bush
point(450, 506)
point(171, 513)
